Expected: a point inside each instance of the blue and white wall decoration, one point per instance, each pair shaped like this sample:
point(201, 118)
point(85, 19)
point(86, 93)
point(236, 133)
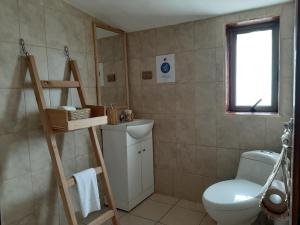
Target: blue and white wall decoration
point(165, 68)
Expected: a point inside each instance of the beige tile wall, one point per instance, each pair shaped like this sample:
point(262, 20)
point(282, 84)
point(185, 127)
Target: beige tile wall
point(195, 143)
point(28, 193)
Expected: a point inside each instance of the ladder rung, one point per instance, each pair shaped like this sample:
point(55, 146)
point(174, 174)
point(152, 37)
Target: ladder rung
point(59, 84)
point(71, 181)
point(103, 218)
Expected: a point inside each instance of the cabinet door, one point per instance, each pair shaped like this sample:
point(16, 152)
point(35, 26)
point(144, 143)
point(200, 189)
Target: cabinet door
point(134, 171)
point(147, 164)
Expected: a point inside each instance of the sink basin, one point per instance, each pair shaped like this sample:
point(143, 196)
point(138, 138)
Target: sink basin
point(137, 129)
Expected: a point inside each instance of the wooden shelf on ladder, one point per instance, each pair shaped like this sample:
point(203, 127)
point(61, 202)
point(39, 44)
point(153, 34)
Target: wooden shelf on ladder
point(54, 120)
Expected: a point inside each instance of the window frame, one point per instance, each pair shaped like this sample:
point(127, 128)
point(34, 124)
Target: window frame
point(231, 32)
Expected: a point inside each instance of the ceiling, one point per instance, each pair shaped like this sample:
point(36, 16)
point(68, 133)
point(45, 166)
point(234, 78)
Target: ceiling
point(133, 15)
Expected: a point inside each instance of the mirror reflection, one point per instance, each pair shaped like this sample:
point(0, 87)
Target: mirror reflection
point(111, 67)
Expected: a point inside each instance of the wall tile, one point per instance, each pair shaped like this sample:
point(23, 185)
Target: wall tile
point(220, 98)
point(286, 58)
point(287, 21)
point(206, 161)
point(14, 156)
point(164, 181)
point(12, 111)
point(228, 130)
point(38, 149)
point(205, 36)
point(166, 43)
point(252, 132)
point(185, 98)
point(57, 67)
point(206, 129)
point(9, 12)
point(149, 97)
point(205, 98)
point(190, 186)
point(185, 36)
point(16, 199)
point(75, 35)
point(166, 99)
point(91, 71)
point(165, 127)
point(56, 29)
point(134, 72)
point(186, 158)
point(10, 65)
point(66, 145)
point(148, 42)
point(136, 100)
point(220, 64)
point(32, 22)
point(286, 97)
point(82, 142)
point(167, 153)
point(134, 45)
point(185, 129)
point(227, 163)
point(45, 187)
point(206, 65)
point(185, 67)
point(274, 130)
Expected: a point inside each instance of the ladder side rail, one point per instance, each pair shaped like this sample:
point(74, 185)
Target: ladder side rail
point(75, 71)
point(100, 160)
point(95, 144)
point(51, 141)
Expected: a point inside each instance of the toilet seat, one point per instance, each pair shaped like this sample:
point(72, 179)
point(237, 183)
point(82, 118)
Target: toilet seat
point(237, 194)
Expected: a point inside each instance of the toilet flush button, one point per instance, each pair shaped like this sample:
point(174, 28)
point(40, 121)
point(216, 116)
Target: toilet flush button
point(275, 199)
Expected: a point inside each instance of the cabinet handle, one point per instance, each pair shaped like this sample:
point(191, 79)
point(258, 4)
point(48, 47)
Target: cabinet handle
point(144, 150)
point(139, 152)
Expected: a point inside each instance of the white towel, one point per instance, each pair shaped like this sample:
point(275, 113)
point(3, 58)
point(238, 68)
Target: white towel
point(87, 187)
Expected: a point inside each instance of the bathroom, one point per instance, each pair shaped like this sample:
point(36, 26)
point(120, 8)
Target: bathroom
point(120, 48)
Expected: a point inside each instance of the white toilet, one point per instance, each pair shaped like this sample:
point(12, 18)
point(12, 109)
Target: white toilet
point(236, 202)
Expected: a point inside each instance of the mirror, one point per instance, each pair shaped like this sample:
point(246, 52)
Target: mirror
point(111, 66)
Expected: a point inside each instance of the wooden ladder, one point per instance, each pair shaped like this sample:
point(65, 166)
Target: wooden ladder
point(63, 182)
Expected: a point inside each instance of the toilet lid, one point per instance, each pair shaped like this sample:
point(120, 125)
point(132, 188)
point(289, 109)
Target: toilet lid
point(232, 195)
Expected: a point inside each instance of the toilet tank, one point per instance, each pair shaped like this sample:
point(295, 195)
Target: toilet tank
point(256, 166)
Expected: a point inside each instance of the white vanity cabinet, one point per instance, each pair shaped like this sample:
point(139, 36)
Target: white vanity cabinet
point(128, 155)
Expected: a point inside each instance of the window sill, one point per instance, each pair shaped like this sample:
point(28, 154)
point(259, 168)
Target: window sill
point(273, 114)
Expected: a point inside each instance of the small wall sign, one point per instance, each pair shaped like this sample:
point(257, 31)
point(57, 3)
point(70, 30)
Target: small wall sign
point(101, 74)
point(165, 68)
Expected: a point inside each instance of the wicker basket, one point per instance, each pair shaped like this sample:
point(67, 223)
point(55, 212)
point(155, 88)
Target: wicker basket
point(78, 114)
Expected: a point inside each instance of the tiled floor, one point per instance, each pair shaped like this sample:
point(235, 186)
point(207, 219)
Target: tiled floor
point(164, 210)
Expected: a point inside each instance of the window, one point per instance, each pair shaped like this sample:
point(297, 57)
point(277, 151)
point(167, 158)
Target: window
point(253, 67)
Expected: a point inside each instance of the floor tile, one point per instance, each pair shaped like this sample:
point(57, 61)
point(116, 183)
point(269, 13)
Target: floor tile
point(164, 199)
point(94, 215)
point(151, 210)
point(196, 206)
point(182, 216)
point(134, 220)
point(208, 221)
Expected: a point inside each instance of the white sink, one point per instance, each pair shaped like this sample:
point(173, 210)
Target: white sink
point(137, 128)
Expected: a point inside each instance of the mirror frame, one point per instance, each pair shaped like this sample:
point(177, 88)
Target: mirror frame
point(98, 24)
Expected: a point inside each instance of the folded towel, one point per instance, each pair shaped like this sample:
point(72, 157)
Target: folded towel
point(88, 191)
point(68, 108)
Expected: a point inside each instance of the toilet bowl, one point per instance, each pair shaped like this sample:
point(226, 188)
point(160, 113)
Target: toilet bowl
point(236, 202)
